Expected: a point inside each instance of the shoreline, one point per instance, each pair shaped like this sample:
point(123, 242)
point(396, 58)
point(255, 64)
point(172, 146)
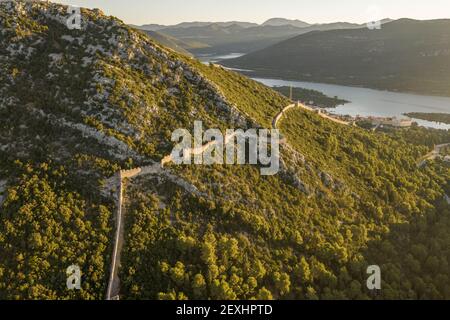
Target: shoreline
point(351, 108)
point(254, 74)
point(425, 116)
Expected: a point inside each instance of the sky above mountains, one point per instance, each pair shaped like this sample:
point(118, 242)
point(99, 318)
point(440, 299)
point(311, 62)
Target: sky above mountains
point(313, 11)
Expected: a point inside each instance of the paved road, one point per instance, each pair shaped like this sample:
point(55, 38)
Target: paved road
point(280, 115)
point(324, 115)
point(432, 155)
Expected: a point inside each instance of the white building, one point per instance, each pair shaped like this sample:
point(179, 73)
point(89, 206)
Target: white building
point(393, 122)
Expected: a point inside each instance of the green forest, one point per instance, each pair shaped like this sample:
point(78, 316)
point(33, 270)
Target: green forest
point(346, 198)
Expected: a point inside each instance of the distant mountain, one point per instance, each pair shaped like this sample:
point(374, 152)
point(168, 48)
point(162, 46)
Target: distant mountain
point(405, 55)
point(276, 22)
point(192, 24)
point(226, 38)
point(185, 25)
point(386, 20)
point(182, 46)
point(238, 36)
point(220, 24)
point(169, 42)
point(232, 38)
point(149, 27)
point(332, 26)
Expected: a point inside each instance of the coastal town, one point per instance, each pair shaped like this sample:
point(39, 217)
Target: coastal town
point(364, 121)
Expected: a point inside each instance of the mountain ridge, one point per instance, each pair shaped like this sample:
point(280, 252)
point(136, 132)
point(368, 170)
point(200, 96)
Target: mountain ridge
point(237, 39)
point(362, 57)
point(283, 22)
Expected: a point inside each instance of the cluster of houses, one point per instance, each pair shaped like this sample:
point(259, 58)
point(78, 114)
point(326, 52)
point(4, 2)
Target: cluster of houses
point(375, 121)
point(392, 122)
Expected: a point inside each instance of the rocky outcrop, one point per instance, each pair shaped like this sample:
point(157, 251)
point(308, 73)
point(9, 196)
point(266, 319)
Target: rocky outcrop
point(327, 179)
point(297, 182)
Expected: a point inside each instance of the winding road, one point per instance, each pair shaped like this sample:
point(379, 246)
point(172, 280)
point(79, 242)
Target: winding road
point(280, 115)
point(432, 155)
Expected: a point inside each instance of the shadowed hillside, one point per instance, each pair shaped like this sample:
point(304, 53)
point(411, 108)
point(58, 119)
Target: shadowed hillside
point(405, 55)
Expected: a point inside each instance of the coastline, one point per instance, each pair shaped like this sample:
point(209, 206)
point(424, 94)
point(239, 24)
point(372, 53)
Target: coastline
point(430, 116)
point(255, 74)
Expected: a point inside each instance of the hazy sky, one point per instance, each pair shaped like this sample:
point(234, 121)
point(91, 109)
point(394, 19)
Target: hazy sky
point(313, 11)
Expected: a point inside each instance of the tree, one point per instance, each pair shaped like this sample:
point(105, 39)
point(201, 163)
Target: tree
point(264, 294)
point(199, 286)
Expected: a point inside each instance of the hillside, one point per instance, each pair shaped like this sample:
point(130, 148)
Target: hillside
point(77, 106)
point(171, 42)
point(405, 55)
point(283, 22)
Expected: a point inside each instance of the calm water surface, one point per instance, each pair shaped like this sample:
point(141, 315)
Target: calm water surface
point(369, 102)
point(211, 58)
